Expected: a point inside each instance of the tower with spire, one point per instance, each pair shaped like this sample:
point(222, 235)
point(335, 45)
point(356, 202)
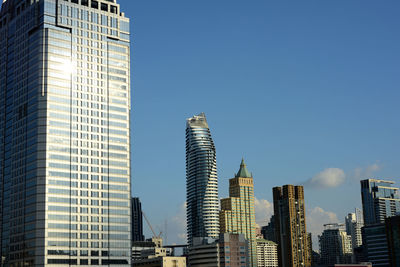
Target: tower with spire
point(237, 213)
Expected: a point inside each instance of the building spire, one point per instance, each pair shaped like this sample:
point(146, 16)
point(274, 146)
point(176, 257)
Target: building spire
point(243, 172)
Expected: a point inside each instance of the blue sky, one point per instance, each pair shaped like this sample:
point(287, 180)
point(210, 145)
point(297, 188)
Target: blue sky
point(302, 90)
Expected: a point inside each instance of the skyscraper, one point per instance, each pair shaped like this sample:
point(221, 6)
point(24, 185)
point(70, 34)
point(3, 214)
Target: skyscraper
point(64, 116)
point(137, 220)
point(379, 200)
point(290, 226)
point(201, 180)
point(354, 223)
point(335, 245)
point(237, 212)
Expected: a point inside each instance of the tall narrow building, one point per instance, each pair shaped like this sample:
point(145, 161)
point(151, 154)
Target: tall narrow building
point(201, 180)
point(237, 212)
point(290, 226)
point(379, 200)
point(64, 120)
point(137, 220)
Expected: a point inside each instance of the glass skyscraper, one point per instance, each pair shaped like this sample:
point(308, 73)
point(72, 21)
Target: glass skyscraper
point(201, 180)
point(379, 200)
point(64, 116)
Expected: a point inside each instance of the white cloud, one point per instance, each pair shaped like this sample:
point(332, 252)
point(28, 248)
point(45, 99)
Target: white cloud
point(315, 220)
point(264, 210)
point(367, 172)
point(330, 177)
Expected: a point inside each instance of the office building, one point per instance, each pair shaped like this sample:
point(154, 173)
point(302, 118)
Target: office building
point(201, 180)
point(267, 253)
point(137, 220)
point(354, 223)
point(335, 245)
point(375, 245)
point(290, 227)
point(228, 250)
point(379, 199)
point(393, 239)
point(65, 156)
point(237, 212)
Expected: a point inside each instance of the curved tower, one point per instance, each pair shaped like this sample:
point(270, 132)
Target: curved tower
point(201, 180)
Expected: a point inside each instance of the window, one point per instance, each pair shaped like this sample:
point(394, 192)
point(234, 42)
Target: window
point(95, 4)
point(104, 7)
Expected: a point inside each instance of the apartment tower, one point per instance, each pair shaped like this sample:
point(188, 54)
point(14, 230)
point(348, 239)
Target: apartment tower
point(201, 180)
point(64, 116)
point(290, 226)
point(237, 212)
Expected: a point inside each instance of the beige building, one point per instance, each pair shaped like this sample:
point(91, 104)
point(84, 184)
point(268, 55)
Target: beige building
point(267, 253)
point(290, 227)
point(237, 212)
point(158, 256)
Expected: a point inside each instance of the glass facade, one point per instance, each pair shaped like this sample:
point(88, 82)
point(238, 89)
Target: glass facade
point(379, 200)
point(65, 162)
point(201, 180)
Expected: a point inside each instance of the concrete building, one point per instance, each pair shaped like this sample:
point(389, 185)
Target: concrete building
point(137, 220)
point(290, 227)
point(65, 139)
point(375, 245)
point(354, 223)
point(201, 180)
point(229, 250)
point(237, 212)
point(379, 199)
point(393, 239)
point(335, 245)
point(267, 253)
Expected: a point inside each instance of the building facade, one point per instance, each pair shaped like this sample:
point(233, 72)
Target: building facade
point(201, 180)
point(237, 212)
point(375, 245)
point(335, 245)
point(290, 226)
point(227, 251)
point(354, 223)
point(267, 253)
point(64, 116)
point(393, 239)
point(137, 220)
point(379, 200)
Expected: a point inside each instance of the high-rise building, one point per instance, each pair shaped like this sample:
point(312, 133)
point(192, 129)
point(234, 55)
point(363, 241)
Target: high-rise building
point(335, 245)
point(64, 153)
point(375, 245)
point(267, 253)
point(379, 200)
point(393, 239)
point(237, 212)
point(137, 220)
point(201, 180)
point(290, 226)
point(354, 223)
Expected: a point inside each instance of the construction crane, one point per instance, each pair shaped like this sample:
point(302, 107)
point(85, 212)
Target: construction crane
point(151, 228)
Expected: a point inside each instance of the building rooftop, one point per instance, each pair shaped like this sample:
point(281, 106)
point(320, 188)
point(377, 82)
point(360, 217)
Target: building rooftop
point(243, 172)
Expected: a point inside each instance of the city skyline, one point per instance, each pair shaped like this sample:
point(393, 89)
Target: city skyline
point(339, 122)
point(336, 63)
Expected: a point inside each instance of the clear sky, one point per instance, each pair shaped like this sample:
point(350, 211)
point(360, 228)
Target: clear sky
point(306, 91)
